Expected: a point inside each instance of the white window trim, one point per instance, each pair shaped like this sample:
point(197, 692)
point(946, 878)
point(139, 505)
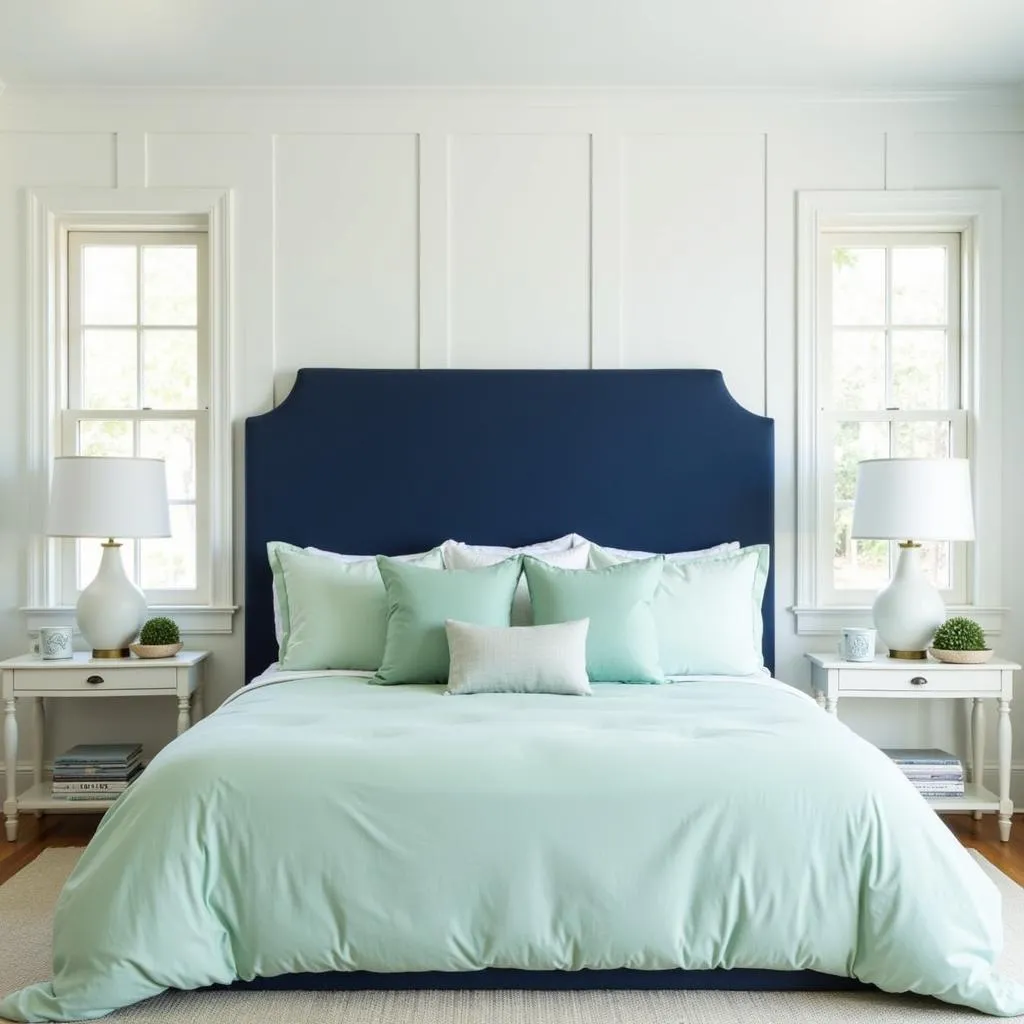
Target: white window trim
point(977, 216)
point(50, 213)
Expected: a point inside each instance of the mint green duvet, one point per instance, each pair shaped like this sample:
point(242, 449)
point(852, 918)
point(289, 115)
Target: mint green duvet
point(320, 823)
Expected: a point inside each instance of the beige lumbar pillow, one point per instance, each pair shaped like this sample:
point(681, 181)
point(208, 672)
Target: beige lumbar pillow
point(518, 659)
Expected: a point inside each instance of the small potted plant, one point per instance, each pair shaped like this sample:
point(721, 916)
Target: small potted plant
point(158, 638)
point(960, 641)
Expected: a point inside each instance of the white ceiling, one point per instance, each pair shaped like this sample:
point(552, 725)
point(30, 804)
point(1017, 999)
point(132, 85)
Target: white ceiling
point(837, 44)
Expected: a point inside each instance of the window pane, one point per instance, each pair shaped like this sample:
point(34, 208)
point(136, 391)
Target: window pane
point(109, 379)
point(936, 562)
point(919, 370)
point(860, 564)
point(921, 440)
point(858, 369)
point(170, 563)
point(170, 377)
point(857, 564)
point(858, 286)
point(174, 441)
point(89, 552)
point(108, 284)
point(854, 442)
point(169, 284)
point(919, 278)
point(105, 437)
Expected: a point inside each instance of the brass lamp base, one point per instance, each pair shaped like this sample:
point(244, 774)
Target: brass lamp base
point(113, 652)
point(909, 655)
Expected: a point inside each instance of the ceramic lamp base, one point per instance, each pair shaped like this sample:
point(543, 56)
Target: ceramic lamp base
point(910, 609)
point(111, 609)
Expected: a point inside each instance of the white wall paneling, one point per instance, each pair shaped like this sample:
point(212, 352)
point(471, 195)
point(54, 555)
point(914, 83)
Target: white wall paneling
point(434, 252)
point(44, 160)
point(346, 251)
point(606, 251)
point(693, 256)
point(519, 228)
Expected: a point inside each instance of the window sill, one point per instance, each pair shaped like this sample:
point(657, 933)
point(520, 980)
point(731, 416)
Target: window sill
point(823, 621)
point(192, 620)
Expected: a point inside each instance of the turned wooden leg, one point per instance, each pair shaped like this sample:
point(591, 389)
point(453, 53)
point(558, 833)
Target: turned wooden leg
point(831, 705)
point(197, 705)
point(1005, 738)
point(38, 739)
point(978, 745)
point(183, 710)
point(11, 769)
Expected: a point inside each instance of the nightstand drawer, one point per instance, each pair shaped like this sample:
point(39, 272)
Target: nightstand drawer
point(95, 677)
point(935, 680)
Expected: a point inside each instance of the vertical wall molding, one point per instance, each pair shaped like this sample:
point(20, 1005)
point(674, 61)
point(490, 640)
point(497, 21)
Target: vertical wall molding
point(434, 251)
point(606, 251)
point(131, 160)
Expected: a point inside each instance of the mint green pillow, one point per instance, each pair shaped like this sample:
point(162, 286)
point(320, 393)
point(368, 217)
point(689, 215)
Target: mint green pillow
point(622, 642)
point(708, 613)
point(419, 601)
point(333, 611)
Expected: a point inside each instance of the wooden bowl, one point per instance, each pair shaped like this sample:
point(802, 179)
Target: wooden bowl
point(961, 657)
point(155, 650)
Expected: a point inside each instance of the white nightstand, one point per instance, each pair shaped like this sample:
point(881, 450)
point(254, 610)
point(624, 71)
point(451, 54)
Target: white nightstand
point(832, 678)
point(180, 677)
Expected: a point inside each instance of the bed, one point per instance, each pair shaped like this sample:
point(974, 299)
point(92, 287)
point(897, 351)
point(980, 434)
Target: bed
point(318, 830)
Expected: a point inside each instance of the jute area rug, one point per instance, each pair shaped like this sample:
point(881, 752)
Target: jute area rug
point(26, 908)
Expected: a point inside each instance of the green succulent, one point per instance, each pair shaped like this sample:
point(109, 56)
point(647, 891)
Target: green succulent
point(159, 631)
point(959, 634)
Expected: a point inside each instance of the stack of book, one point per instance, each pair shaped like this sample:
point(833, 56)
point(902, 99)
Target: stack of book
point(96, 771)
point(934, 773)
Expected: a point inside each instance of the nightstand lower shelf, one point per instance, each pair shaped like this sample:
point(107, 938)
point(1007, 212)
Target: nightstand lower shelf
point(833, 681)
point(975, 798)
point(39, 798)
point(177, 681)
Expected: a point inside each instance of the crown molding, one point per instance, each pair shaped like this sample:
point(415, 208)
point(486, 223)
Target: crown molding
point(1012, 93)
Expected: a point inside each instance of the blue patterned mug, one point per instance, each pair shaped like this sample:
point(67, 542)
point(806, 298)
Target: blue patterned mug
point(55, 642)
point(857, 643)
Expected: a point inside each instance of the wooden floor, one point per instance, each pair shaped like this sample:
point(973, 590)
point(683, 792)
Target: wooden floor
point(36, 835)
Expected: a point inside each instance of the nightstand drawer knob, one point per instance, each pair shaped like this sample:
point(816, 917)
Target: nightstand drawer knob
point(94, 680)
point(918, 681)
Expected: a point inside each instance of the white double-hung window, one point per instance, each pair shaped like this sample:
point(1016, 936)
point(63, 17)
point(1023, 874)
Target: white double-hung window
point(899, 351)
point(138, 384)
point(888, 387)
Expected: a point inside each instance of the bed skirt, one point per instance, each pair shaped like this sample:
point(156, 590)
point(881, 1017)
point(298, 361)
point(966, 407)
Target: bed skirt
point(737, 980)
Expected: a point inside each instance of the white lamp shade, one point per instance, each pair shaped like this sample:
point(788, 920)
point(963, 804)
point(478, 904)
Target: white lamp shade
point(913, 499)
point(98, 496)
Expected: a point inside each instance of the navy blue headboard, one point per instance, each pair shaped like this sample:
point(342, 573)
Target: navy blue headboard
point(392, 461)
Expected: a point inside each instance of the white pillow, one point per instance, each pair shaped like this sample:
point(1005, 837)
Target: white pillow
point(518, 659)
point(334, 556)
point(495, 554)
point(457, 555)
point(602, 557)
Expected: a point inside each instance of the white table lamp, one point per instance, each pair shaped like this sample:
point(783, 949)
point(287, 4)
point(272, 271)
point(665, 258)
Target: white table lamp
point(98, 496)
point(911, 500)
